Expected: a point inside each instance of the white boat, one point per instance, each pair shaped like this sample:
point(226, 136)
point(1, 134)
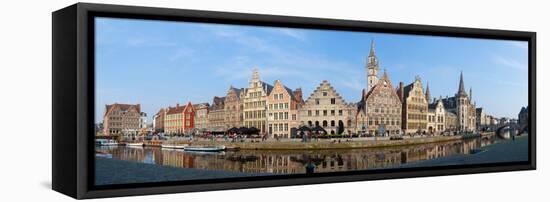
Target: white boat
point(135, 144)
point(174, 146)
point(205, 149)
point(106, 142)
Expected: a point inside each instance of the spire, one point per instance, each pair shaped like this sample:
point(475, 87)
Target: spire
point(428, 96)
point(372, 51)
point(461, 86)
point(471, 96)
point(385, 75)
point(255, 75)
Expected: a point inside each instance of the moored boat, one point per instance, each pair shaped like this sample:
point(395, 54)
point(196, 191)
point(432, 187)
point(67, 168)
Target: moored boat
point(205, 148)
point(174, 146)
point(106, 142)
point(135, 144)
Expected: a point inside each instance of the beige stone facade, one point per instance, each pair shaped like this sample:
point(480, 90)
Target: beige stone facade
point(233, 108)
point(463, 106)
point(158, 120)
point(451, 121)
point(201, 116)
point(436, 117)
point(282, 111)
point(415, 107)
point(326, 108)
point(121, 119)
point(216, 115)
point(254, 103)
point(382, 108)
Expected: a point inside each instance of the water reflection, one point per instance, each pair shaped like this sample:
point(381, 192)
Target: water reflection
point(288, 162)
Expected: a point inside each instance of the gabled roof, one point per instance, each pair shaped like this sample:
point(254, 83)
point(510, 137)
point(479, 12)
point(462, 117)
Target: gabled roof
point(318, 90)
point(236, 90)
point(121, 107)
point(268, 88)
point(175, 110)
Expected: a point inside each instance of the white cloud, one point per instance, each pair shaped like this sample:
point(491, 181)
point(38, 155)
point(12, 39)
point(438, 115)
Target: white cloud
point(521, 45)
point(141, 41)
point(508, 62)
point(292, 33)
point(181, 53)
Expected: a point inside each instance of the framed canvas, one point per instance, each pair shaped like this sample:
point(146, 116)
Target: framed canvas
point(157, 100)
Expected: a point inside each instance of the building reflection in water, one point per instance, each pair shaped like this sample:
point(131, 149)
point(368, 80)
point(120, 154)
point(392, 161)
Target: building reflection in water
point(289, 162)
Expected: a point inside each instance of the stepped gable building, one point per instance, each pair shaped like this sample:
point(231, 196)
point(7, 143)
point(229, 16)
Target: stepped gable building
point(121, 119)
point(436, 116)
point(233, 108)
point(179, 119)
point(282, 110)
point(415, 107)
point(327, 109)
point(379, 111)
point(216, 115)
point(201, 116)
point(254, 103)
point(463, 106)
point(158, 121)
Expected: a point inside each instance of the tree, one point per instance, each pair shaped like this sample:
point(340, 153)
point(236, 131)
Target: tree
point(340, 127)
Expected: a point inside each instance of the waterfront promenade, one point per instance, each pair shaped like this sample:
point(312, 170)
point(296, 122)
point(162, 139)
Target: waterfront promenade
point(504, 151)
point(317, 144)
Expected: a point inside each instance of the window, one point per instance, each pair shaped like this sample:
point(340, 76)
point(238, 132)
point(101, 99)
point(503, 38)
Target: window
point(332, 123)
point(332, 100)
point(324, 112)
point(308, 112)
point(286, 115)
point(340, 112)
point(276, 96)
point(316, 112)
point(332, 112)
point(294, 117)
point(286, 105)
point(325, 93)
point(325, 123)
point(317, 101)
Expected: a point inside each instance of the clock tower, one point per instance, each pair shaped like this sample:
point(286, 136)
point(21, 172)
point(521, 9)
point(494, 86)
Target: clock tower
point(372, 68)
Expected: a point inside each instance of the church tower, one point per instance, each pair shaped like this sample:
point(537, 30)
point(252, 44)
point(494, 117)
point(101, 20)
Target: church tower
point(372, 68)
point(462, 104)
point(428, 95)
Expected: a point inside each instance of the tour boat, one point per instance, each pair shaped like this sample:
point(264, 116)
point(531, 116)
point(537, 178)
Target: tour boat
point(106, 142)
point(174, 146)
point(205, 149)
point(135, 144)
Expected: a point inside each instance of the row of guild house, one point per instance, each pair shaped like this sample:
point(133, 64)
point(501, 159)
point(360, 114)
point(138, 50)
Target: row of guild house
point(278, 110)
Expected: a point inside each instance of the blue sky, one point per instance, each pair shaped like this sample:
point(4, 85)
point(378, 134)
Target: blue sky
point(159, 63)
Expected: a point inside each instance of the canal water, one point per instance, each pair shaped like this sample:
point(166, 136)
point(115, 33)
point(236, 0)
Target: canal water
point(295, 161)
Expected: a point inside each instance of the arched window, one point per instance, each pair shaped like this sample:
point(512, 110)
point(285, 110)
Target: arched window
point(332, 123)
point(309, 123)
point(325, 123)
point(316, 123)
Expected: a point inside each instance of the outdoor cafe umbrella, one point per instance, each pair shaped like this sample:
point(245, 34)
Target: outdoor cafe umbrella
point(319, 129)
point(253, 130)
point(233, 130)
point(243, 130)
point(304, 129)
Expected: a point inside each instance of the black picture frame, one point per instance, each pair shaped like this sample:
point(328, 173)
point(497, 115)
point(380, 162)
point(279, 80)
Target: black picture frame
point(73, 99)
